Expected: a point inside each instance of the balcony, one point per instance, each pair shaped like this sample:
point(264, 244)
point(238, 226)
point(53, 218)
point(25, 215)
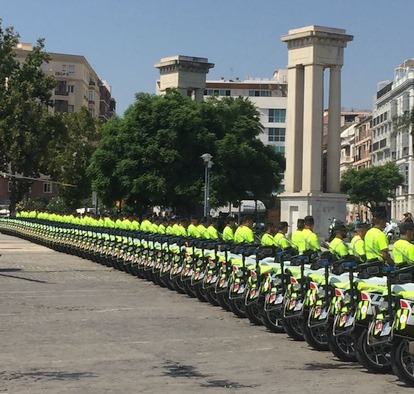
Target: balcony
point(61, 93)
point(346, 160)
point(91, 102)
point(92, 83)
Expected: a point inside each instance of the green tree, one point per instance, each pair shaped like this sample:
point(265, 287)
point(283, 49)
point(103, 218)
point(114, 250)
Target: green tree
point(152, 155)
point(25, 124)
point(103, 170)
point(245, 166)
point(70, 154)
point(373, 185)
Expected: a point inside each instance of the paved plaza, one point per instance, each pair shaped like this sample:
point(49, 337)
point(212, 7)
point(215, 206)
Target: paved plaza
point(72, 326)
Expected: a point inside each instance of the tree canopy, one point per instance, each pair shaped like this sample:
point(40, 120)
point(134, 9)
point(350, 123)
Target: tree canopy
point(372, 185)
point(69, 154)
point(151, 156)
point(25, 123)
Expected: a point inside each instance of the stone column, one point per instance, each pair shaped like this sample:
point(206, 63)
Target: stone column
point(334, 135)
point(294, 126)
point(312, 129)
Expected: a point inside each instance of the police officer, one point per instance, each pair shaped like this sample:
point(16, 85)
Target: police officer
point(228, 231)
point(297, 236)
point(376, 241)
point(192, 230)
point(202, 229)
point(338, 246)
point(244, 233)
point(403, 249)
point(268, 236)
point(281, 240)
point(212, 229)
point(310, 238)
point(357, 245)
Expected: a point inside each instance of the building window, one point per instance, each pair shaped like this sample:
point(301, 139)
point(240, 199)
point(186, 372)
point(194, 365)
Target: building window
point(279, 149)
point(71, 108)
point(277, 115)
point(276, 134)
point(260, 93)
point(47, 187)
point(217, 92)
point(71, 69)
point(71, 88)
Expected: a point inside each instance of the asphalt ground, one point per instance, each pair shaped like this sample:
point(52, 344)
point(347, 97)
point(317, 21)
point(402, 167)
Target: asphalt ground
point(69, 325)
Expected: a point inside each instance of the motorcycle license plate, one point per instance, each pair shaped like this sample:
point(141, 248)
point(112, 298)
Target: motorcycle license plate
point(322, 313)
point(347, 320)
point(386, 329)
point(238, 288)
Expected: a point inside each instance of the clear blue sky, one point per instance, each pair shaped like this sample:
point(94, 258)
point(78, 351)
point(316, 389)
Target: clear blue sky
point(122, 39)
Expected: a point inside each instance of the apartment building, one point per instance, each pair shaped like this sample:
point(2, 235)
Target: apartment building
point(269, 95)
point(391, 132)
point(77, 85)
point(356, 153)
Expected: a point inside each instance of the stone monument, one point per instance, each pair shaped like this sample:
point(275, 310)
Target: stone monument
point(187, 74)
point(311, 50)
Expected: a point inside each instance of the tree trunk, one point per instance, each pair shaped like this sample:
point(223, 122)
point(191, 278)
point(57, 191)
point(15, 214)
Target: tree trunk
point(13, 196)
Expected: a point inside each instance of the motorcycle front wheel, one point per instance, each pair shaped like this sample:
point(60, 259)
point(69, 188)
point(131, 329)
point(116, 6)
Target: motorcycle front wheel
point(293, 328)
point(224, 301)
point(315, 336)
point(238, 307)
point(273, 320)
point(254, 313)
point(342, 346)
point(403, 362)
point(375, 359)
point(199, 292)
point(211, 296)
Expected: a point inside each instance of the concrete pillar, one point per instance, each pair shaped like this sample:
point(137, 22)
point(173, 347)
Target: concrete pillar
point(294, 126)
point(312, 129)
point(334, 135)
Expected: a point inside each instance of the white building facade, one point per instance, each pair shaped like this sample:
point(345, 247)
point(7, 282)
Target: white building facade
point(391, 133)
point(269, 95)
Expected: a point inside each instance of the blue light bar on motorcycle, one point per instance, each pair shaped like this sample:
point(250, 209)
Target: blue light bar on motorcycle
point(349, 264)
point(325, 263)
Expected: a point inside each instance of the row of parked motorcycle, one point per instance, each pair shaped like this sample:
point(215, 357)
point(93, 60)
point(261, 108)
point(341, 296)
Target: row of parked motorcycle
point(360, 311)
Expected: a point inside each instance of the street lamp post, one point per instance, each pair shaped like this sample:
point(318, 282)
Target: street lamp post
point(207, 165)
